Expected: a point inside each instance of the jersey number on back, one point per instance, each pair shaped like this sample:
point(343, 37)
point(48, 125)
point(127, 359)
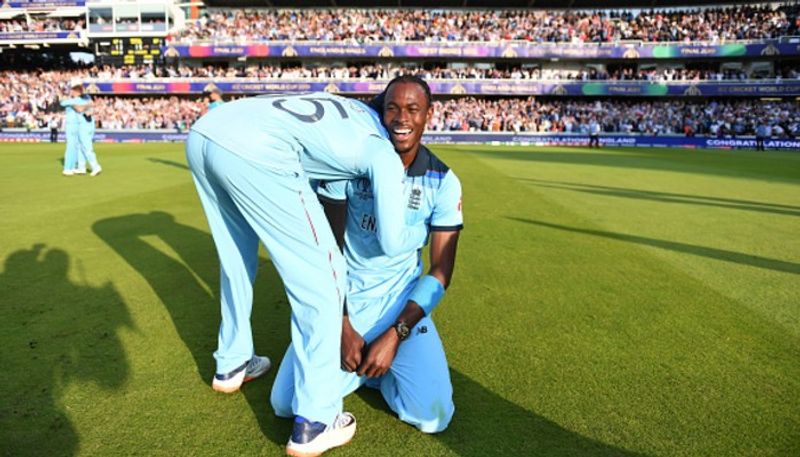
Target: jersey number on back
point(319, 109)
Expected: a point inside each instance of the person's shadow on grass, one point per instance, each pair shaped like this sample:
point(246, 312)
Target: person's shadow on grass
point(181, 265)
point(55, 333)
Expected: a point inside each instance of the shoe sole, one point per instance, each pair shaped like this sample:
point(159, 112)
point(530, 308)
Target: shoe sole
point(296, 453)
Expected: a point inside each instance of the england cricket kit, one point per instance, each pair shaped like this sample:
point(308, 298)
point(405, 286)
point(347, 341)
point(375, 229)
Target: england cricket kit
point(417, 386)
point(71, 130)
point(251, 160)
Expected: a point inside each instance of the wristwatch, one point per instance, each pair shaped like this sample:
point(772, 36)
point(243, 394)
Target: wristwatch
point(402, 330)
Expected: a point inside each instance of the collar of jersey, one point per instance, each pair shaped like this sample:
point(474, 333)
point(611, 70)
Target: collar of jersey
point(420, 164)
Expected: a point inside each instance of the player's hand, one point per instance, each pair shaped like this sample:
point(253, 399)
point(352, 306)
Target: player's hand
point(380, 355)
point(352, 345)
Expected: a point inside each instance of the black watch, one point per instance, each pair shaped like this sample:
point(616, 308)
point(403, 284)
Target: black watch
point(402, 330)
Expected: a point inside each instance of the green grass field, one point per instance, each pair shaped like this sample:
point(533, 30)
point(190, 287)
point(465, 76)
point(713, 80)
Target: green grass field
point(605, 302)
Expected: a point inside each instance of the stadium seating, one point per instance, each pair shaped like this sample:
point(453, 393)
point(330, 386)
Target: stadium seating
point(634, 72)
point(712, 24)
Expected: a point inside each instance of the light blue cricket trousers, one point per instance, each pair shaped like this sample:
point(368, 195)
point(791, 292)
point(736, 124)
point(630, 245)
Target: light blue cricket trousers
point(417, 387)
point(86, 150)
point(73, 144)
point(245, 202)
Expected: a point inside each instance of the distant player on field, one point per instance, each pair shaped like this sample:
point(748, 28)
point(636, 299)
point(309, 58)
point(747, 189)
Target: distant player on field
point(86, 129)
point(389, 340)
point(74, 108)
point(594, 133)
point(251, 160)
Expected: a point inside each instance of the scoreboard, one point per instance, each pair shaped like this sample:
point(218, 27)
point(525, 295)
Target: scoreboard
point(128, 50)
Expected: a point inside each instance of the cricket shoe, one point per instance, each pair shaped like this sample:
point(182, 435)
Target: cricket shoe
point(231, 382)
point(79, 172)
point(96, 172)
point(68, 173)
point(311, 439)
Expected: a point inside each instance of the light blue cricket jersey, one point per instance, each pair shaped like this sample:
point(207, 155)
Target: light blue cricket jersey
point(87, 125)
point(215, 104)
point(324, 136)
point(73, 118)
point(431, 195)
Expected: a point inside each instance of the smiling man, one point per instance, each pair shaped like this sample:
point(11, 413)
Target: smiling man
point(389, 340)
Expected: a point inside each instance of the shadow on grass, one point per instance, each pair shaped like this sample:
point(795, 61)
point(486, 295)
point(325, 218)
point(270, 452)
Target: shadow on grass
point(57, 333)
point(187, 282)
point(670, 197)
point(701, 251)
point(170, 163)
point(486, 424)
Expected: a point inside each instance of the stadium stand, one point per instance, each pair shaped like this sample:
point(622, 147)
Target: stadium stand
point(711, 70)
point(711, 24)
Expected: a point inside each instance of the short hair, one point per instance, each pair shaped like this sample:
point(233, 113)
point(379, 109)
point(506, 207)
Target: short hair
point(378, 101)
point(214, 90)
point(78, 87)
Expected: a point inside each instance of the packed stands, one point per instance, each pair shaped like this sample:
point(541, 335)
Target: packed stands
point(706, 80)
point(29, 24)
point(373, 25)
point(388, 71)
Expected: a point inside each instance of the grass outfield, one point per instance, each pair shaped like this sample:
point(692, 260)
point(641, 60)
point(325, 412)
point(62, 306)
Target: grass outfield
point(605, 302)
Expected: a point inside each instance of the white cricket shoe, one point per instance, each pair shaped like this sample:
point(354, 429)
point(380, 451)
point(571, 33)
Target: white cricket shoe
point(231, 382)
point(67, 172)
point(96, 171)
point(311, 439)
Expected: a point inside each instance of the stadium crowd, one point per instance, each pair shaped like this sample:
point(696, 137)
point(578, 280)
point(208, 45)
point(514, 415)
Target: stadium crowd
point(742, 22)
point(37, 109)
point(41, 25)
point(369, 71)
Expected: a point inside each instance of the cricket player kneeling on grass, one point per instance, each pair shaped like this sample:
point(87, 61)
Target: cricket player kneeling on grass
point(389, 305)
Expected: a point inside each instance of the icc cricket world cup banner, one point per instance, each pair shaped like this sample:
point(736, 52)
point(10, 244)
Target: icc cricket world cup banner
point(460, 87)
point(40, 37)
point(510, 50)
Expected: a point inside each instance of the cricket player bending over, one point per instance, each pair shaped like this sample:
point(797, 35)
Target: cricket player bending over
point(388, 311)
point(251, 161)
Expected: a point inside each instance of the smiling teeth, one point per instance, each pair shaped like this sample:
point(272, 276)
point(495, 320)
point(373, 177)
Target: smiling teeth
point(402, 131)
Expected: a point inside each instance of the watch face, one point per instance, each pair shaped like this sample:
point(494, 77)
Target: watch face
point(402, 330)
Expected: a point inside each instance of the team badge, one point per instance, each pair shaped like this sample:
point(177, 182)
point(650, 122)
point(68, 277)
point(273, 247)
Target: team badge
point(415, 199)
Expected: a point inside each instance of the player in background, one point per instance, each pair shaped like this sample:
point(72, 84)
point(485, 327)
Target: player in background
point(74, 108)
point(86, 129)
point(763, 133)
point(52, 124)
point(213, 98)
point(389, 340)
point(251, 161)
point(594, 132)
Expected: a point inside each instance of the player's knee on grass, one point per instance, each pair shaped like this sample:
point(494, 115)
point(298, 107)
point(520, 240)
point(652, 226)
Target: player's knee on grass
point(439, 415)
point(428, 408)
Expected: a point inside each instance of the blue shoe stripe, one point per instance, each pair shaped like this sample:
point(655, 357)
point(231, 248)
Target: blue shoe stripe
point(305, 431)
point(229, 375)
